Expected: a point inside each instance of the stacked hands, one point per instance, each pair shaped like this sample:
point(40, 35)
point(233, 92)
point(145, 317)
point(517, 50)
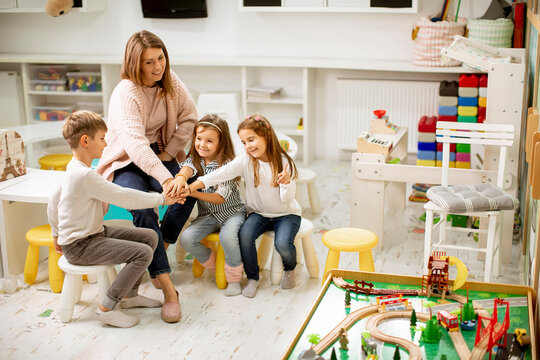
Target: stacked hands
point(177, 190)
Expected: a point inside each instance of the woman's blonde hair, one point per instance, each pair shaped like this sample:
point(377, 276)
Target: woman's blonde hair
point(132, 68)
point(262, 127)
point(225, 149)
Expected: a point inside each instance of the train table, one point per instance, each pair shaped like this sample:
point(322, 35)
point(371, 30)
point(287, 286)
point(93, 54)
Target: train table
point(379, 322)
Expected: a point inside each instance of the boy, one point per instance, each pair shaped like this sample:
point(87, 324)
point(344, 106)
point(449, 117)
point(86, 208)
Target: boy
point(75, 213)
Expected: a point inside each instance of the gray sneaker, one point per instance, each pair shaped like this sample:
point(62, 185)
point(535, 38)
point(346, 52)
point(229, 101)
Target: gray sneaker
point(288, 281)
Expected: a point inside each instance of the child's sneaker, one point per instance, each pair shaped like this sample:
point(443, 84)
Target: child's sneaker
point(117, 318)
point(288, 281)
point(233, 289)
point(251, 288)
point(139, 301)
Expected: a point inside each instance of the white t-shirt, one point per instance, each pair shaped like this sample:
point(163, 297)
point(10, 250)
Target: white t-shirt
point(75, 208)
point(265, 200)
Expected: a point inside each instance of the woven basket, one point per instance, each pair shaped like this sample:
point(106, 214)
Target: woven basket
point(431, 37)
point(496, 33)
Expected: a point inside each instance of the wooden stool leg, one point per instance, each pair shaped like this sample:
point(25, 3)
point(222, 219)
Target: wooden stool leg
point(276, 269)
point(265, 247)
point(56, 276)
point(78, 288)
point(365, 259)
point(332, 261)
point(313, 197)
point(67, 299)
point(221, 280)
point(310, 257)
point(103, 285)
point(91, 278)
point(31, 264)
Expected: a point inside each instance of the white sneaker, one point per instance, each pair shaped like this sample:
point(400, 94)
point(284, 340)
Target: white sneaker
point(288, 281)
point(139, 301)
point(251, 288)
point(117, 318)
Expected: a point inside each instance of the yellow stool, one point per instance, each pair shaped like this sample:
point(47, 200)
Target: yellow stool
point(55, 161)
point(349, 239)
point(212, 241)
point(42, 236)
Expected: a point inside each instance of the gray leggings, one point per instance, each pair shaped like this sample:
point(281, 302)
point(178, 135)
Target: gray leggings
point(116, 245)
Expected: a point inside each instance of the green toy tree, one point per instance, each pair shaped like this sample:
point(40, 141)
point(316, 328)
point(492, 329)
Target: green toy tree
point(413, 318)
point(314, 339)
point(333, 356)
point(348, 297)
point(396, 354)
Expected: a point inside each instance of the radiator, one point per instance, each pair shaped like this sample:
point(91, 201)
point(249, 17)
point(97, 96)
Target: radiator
point(11, 99)
point(405, 103)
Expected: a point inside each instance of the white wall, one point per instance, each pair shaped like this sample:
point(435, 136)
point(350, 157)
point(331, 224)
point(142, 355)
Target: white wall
point(228, 32)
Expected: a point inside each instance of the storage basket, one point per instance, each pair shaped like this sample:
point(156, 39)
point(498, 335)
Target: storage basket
point(430, 37)
point(496, 33)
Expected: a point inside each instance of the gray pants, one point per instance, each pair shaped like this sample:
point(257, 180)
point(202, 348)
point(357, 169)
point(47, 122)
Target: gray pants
point(116, 245)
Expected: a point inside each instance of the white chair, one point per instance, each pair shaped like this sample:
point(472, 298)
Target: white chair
point(71, 291)
point(467, 133)
point(307, 176)
point(276, 267)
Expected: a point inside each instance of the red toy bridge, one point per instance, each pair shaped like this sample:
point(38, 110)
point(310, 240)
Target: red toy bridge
point(491, 334)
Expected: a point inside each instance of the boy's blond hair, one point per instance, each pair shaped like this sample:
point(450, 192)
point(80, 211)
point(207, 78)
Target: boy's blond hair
point(81, 123)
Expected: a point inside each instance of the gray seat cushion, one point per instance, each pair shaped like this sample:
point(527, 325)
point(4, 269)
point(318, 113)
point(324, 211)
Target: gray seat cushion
point(470, 198)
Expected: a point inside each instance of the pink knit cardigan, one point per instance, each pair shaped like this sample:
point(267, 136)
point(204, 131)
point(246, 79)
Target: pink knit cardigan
point(126, 140)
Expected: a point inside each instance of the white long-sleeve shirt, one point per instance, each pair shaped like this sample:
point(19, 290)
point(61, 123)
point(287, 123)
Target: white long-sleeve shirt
point(264, 199)
point(75, 208)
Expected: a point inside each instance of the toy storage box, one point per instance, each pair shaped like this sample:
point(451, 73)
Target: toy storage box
point(52, 112)
point(48, 72)
point(48, 85)
point(84, 81)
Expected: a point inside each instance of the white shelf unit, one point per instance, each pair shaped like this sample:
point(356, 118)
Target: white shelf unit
point(87, 6)
point(329, 6)
point(66, 98)
point(285, 111)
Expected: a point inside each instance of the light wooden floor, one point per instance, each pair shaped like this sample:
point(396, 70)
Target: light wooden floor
point(212, 326)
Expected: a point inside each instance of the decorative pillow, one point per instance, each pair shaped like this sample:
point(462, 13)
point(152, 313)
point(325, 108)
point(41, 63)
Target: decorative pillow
point(468, 198)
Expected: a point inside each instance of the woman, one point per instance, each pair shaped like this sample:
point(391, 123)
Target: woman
point(151, 121)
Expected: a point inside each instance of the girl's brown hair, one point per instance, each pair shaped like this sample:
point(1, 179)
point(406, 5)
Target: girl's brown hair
point(225, 149)
point(262, 127)
point(131, 67)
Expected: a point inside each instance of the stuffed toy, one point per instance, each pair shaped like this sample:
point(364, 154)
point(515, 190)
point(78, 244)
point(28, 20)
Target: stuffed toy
point(58, 7)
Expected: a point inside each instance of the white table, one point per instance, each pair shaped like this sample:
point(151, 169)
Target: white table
point(23, 205)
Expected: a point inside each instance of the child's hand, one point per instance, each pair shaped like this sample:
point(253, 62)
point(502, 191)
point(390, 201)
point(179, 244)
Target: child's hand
point(57, 248)
point(168, 199)
point(176, 187)
point(283, 177)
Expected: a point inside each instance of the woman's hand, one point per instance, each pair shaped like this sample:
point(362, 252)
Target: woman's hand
point(176, 186)
point(164, 156)
point(283, 177)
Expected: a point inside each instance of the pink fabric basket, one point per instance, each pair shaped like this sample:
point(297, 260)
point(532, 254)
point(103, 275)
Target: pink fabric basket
point(431, 37)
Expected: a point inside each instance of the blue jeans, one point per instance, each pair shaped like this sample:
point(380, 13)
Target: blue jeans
point(285, 228)
point(175, 217)
point(228, 238)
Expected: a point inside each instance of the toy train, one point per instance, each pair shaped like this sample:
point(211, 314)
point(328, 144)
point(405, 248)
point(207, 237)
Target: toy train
point(448, 321)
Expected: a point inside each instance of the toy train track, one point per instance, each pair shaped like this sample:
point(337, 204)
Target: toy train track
point(367, 290)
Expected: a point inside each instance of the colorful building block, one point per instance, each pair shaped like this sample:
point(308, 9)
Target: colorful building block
point(447, 118)
point(469, 119)
point(448, 100)
point(463, 165)
point(448, 88)
point(426, 137)
point(420, 162)
point(467, 101)
point(447, 110)
point(468, 80)
point(463, 148)
point(452, 156)
point(468, 92)
point(482, 91)
point(451, 164)
point(463, 157)
point(427, 146)
point(482, 101)
point(467, 110)
point(426, 155)
point(452, 147)
point(427, 124)
point(483, 81)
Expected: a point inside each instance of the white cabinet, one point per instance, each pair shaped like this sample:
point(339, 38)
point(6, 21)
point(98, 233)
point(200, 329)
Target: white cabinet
point(289, 112)
point(53, 91)
point(410, 6)
point(38, 6)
